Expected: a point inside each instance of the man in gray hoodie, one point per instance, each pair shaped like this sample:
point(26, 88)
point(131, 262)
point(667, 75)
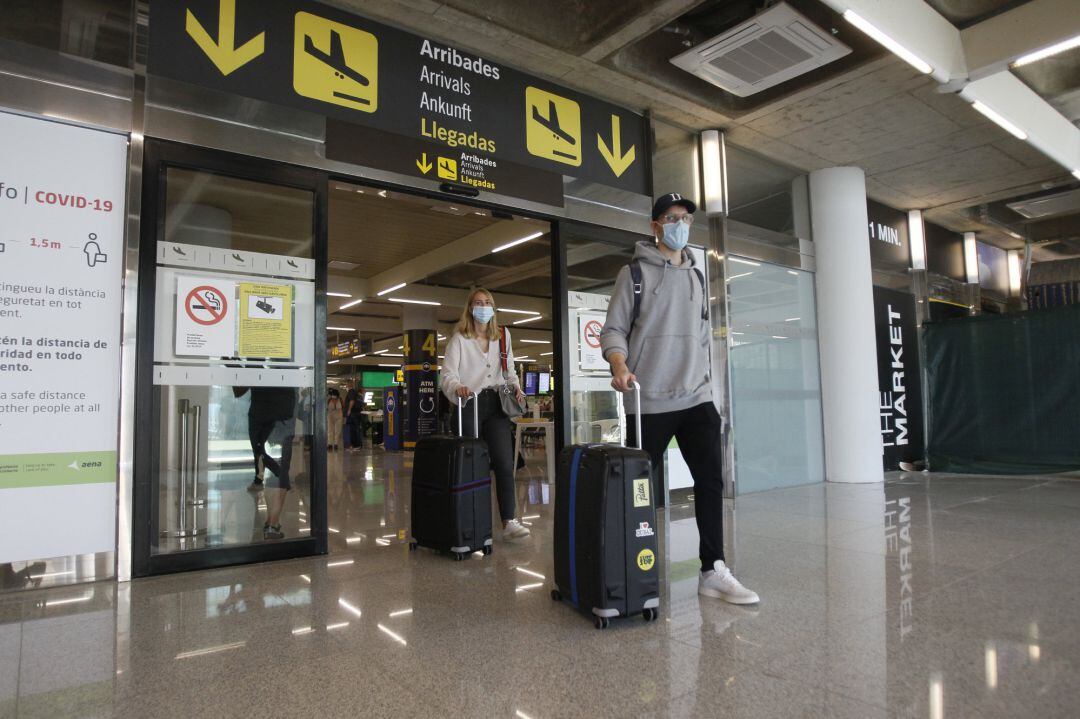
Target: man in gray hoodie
point(657, 332)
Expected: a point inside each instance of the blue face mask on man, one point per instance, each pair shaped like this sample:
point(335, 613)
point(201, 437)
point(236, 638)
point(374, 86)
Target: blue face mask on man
point(483, 313)
point(676, 235)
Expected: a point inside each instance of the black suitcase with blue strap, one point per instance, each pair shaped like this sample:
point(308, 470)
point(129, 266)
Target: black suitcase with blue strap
point(451, 493)
point(606, 555)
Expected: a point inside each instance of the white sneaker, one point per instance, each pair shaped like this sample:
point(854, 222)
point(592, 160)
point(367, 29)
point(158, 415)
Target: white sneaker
point(719, 582)
point(515, 530)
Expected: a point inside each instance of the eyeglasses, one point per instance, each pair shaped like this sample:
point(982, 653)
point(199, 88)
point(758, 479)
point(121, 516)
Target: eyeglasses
point(671, 217)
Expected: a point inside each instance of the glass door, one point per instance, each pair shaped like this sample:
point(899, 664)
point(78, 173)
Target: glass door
point(229, 405)
point(775, 377)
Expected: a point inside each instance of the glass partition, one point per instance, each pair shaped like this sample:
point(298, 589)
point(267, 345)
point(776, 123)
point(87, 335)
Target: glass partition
point(775, 377)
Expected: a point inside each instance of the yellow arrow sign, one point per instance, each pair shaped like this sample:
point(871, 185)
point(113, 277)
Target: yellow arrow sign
point(614, 156)
point(223, 52)
point(423, 164)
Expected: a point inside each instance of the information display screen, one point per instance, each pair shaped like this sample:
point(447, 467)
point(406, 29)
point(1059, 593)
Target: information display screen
point(545, 383)
point(532, 380)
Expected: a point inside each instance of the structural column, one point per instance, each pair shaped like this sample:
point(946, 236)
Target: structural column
point(845, 309)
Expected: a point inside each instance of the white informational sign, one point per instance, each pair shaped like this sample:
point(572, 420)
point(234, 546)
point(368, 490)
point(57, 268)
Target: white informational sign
point(205, 317)
point(61, 259)
point(589, 326)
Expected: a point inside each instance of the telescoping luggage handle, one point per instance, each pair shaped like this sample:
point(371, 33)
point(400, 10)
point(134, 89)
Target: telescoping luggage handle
point(475, 415)
point(637, 415)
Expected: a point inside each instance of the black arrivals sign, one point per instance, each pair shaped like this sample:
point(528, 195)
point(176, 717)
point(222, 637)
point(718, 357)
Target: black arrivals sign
point(888, 232)
point(899, 378)
point(327, 61)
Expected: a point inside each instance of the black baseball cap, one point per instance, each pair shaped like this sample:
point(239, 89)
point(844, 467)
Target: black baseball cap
point(666, 201)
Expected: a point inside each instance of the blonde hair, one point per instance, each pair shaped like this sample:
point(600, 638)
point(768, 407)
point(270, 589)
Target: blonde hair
point(464, 326)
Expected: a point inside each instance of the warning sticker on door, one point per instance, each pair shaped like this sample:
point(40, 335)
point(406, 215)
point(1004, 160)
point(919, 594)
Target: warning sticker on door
point(641, 492)
point(266, 321)
point(205, 322)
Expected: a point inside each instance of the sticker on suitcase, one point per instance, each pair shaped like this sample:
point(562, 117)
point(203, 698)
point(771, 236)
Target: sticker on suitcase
point(645, 560)
point(643, 530)
point(641, 492)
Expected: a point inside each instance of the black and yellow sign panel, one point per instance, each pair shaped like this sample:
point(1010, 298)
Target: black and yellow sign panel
point(472, 112)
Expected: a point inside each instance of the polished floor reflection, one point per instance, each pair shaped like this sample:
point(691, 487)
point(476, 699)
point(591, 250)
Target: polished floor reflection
point(932, 595)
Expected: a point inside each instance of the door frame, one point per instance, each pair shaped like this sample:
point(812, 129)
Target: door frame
point(159, 155)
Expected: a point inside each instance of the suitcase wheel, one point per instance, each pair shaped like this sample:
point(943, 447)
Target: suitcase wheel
point(487, 550)
point(458, 556)
point(651, 614)
point(556, 595)
point(601, 622)
point(413, 545)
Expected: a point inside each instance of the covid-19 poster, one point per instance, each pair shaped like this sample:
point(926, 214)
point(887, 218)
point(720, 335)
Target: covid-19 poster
point(61, 259)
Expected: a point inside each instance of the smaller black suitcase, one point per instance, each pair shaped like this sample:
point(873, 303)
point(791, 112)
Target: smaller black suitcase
point(605, 531)
point(451, 492)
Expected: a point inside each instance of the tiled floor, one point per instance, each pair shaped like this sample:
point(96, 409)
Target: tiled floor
point(932, 595)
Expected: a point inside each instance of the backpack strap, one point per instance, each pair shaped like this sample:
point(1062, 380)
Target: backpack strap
point(635, 286)
point(704, 295)
point(502, 349)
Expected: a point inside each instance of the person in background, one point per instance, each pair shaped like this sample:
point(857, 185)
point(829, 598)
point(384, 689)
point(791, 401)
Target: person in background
point(335, 418)
point(665, 343)
point(474, 365)
point(354, 418)
point(271, 413)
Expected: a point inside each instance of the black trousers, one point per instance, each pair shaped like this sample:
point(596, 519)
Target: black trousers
point(497, 431)
point(699, 431)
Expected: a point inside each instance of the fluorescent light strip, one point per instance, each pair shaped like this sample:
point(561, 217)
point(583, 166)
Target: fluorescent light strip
point(526, 587)
point(393, 354)
point(302, 630)
point(902, 52)
point(340, 563)
point(508, 245)
point(745, 262)
point(735, 277)
point(389, 365)
point(529, 319)
point(793, 319)
point(388, 290)
point(517, 312)
point(338, 294)
point(347, 305)
point(546, 354)
point(210, 650)
point(379, 352)
point(401, 612)
point(339, 625)
point(342, 329)
point(415, 302)
point(353, 540)
point(523, 359)
point(349, 607)
point(536, 342)
point(334, 530)
point(531, 573)
point(73, 600)
point(1046, 52)
point(333, 361)
point(306, 578)
point(1001, 121)
point(393, 635)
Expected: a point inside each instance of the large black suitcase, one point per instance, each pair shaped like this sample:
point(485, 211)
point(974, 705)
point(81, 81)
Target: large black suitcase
point(451, 493)
point(605, 532)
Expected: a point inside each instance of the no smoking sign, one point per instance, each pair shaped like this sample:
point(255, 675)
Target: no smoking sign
point(206, 305)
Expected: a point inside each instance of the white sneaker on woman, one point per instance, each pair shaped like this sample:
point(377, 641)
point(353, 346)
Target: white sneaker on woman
point(515, 530)
point(719, 582)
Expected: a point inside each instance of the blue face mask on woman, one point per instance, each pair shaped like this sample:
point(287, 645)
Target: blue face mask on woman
point(483, 313)
point(676, 235)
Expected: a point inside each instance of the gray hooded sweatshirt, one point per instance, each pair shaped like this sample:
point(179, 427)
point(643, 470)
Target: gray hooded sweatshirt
point(668, 347)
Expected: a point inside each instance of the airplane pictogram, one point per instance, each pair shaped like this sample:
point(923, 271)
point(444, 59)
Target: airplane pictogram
point(552, 127)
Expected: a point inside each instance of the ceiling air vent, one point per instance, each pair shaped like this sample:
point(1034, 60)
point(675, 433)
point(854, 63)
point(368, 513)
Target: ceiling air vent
point(1037, 208)
point(769, 49)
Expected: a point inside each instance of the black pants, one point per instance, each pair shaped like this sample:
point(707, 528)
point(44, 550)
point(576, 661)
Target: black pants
point(699, 432)
point(497, 431)
point(260, 430)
